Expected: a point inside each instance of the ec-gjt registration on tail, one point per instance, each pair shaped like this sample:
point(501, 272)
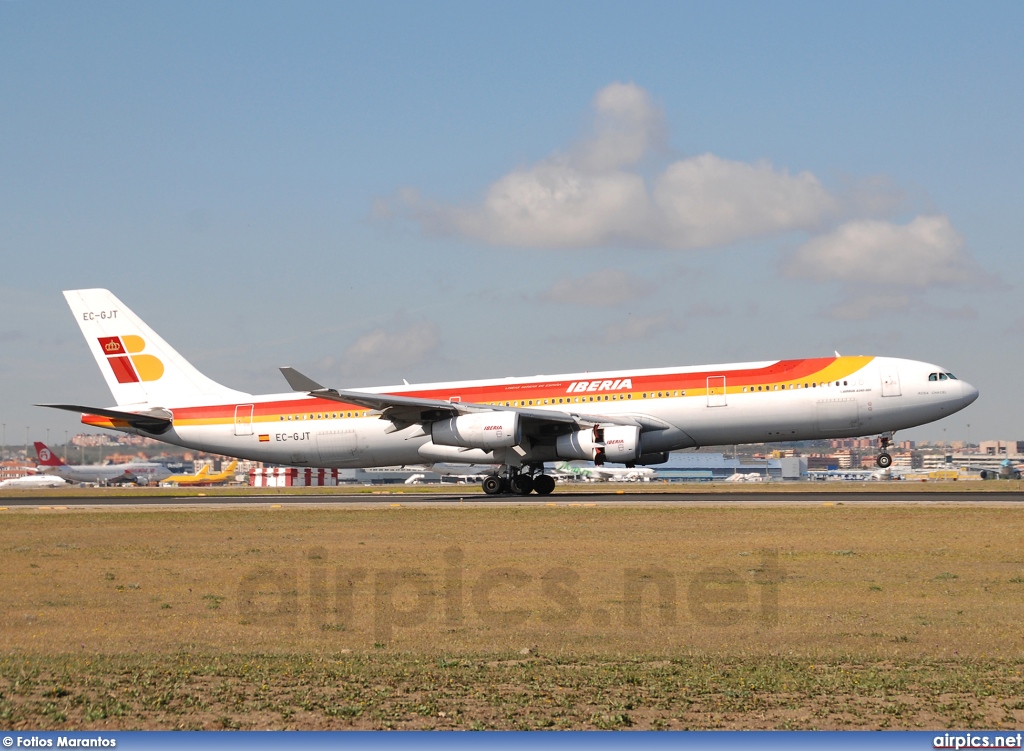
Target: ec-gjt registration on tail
point(632, 417)
point(140, 367)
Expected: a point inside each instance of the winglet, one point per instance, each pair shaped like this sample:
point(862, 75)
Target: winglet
point(299, 382)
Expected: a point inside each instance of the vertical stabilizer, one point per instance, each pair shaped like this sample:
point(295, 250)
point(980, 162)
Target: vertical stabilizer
point(139, 366)
point(46, 457)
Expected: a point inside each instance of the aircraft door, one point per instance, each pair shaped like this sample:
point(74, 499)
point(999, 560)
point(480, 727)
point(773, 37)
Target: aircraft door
point(890, 380)
point(716, 391)
point(243, 419)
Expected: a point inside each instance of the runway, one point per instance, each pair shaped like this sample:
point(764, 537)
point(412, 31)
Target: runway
point(573, 499)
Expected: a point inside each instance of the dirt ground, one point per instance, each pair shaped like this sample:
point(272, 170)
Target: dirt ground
point(626, 617)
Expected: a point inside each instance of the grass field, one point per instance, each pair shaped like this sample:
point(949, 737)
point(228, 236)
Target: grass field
point(512, 617)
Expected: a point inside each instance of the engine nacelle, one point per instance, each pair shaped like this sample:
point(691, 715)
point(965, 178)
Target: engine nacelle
point(481, 430)
point(617, 443)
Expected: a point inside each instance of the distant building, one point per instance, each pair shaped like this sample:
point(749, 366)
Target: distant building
point(711, 467)
point(1004, 449)
point(13, 469)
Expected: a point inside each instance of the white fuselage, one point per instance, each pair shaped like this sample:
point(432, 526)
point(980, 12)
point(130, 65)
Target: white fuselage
point(33, 481)
point(697, 406)
point(143, 472)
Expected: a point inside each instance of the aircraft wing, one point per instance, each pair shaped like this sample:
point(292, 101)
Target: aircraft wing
point(404, 411)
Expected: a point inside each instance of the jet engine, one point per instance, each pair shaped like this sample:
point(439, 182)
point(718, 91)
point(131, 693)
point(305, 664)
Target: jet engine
point(481, 430)
point(618, 443)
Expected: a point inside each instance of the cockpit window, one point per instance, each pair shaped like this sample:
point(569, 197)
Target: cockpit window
point(933, 376)
point(951, 376)
point(942, 377)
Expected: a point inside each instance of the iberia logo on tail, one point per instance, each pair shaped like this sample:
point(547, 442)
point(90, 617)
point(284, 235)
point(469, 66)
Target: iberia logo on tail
point(124, 353)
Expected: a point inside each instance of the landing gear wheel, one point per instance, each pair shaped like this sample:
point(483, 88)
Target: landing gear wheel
point(491, 485)
point(521, 484)
point(884, 460)
point(543, 484)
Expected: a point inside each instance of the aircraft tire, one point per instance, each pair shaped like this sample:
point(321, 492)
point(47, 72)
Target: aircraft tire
point(884, 460)
point(543, 484)
point(491, 485)
point(521, 484)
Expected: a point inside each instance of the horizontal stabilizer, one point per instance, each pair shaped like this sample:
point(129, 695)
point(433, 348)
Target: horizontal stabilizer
point(152, 421)
point(299, 382)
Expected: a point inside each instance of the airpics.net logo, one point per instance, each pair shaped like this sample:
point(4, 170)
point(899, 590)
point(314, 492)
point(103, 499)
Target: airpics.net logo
point(127, 360)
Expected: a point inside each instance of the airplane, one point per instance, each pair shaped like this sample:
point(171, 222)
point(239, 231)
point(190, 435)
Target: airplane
point(745, 477)
point(589, 474)
point(1007, 471)
point(203, 476)
point(631, 417)
point(141, 473)
point(33, 481)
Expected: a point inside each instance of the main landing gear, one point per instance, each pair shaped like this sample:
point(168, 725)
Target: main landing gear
point(519, 481)
point(884, 459)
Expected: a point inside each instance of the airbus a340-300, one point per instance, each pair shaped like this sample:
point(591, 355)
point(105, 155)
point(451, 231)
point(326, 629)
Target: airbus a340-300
point(632, 417)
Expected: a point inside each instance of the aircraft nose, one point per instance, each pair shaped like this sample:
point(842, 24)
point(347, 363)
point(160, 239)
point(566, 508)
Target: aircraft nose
point(969, 393)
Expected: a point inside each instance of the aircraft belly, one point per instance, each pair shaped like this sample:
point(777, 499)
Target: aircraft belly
point(754, 418)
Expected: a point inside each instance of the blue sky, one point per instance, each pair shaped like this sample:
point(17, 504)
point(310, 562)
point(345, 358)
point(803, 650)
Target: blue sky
point(371, 192)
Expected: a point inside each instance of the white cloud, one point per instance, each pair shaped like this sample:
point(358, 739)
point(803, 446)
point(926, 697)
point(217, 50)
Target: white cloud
point(638, 327)
point(627, 125)
point(865, 305)
point(869, 306)
point(599, 288)
point(594, 196)
point(928, 251)
point(383, 350)
point(707, 310)
point(707, 201)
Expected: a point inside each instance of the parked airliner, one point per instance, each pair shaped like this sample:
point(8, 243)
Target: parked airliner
point(632, 417)
point(29, 482)
point(141, 473)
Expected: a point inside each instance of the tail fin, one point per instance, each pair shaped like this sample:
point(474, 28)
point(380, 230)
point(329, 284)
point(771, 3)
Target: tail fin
point(139, 366)
point(46, 457)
